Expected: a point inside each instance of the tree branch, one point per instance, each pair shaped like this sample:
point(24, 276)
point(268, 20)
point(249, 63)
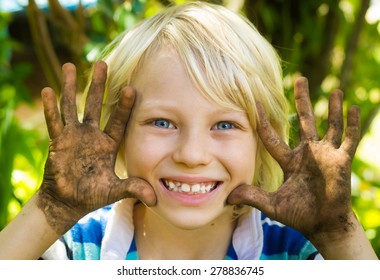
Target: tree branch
point(43, 46)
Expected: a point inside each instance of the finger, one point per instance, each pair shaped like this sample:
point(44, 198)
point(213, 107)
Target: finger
point(252, 196)
point(118, 120)
point(279, 150)
point(133, 188)
point(95, 95)
point(308, 129)
point(52, 116)
point(68, 99)
point(335, 129)
point(352, 138)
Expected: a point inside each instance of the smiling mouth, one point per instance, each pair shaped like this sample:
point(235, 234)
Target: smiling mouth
point(190, 188)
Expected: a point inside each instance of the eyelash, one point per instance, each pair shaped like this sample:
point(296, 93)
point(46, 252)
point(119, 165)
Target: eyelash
point(155, 123)
point(231, 125)
point(159, 124)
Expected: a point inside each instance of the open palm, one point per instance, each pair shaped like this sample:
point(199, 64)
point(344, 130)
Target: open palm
point(315, 197)
point(79, 172)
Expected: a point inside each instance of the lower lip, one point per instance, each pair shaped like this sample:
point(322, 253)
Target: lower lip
point(190, 199)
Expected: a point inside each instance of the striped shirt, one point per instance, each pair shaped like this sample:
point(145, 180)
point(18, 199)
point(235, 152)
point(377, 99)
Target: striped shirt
point(108, 233)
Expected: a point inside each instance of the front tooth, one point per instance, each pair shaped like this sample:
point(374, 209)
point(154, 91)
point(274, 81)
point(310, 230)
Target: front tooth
point(196, 188)
point(185, 188)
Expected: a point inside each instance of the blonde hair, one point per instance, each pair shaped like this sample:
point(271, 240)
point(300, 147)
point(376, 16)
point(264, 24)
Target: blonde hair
point(226, 57)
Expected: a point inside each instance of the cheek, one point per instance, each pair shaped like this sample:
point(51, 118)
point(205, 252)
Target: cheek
point(141, 154)
point(241, 160)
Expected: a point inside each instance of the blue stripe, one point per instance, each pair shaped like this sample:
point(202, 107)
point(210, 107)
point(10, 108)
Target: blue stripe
point(85, 251)
point(88, 233)
point(231, 254)
point(282, 256)
point(91, 229)
point(283, 242)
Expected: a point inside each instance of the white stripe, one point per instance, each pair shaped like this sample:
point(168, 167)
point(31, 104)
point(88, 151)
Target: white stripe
point(271, 222)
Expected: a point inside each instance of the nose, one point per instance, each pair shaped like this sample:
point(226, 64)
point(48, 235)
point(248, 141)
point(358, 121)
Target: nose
point(192, 149)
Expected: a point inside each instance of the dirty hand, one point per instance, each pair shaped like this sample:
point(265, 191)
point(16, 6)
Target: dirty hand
point(79, 172)
point(315, 197)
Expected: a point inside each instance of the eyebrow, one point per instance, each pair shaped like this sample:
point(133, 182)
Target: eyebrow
point(150, 105)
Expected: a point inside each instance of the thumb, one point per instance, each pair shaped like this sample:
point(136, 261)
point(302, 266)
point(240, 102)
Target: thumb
point(253, 196)
point(133, 188)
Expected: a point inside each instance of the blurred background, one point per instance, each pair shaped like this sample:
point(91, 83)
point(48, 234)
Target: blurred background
point(334, 43)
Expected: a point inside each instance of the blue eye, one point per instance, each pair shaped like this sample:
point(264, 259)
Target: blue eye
point(162, 123)
point(224, 125)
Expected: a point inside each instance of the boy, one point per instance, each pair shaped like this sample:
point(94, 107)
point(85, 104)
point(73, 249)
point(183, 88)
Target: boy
point(194, 117)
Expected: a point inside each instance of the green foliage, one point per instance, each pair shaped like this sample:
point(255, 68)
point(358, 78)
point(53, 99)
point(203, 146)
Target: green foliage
point(107, 20)
point(17, 143)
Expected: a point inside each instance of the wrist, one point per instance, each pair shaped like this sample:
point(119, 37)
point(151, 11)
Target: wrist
point(60, 216)
point(29, 227)
point(346, 242)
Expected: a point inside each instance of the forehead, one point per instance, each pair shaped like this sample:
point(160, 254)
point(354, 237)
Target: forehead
point(161, 71)
point(167, 60)
point(164, 82)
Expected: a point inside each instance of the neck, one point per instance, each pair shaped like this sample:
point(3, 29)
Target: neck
point(157, 239)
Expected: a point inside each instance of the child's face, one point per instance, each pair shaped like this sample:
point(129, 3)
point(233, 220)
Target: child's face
point(193, 152)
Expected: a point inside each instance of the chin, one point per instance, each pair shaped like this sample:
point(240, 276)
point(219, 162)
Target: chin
point(193, 219)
